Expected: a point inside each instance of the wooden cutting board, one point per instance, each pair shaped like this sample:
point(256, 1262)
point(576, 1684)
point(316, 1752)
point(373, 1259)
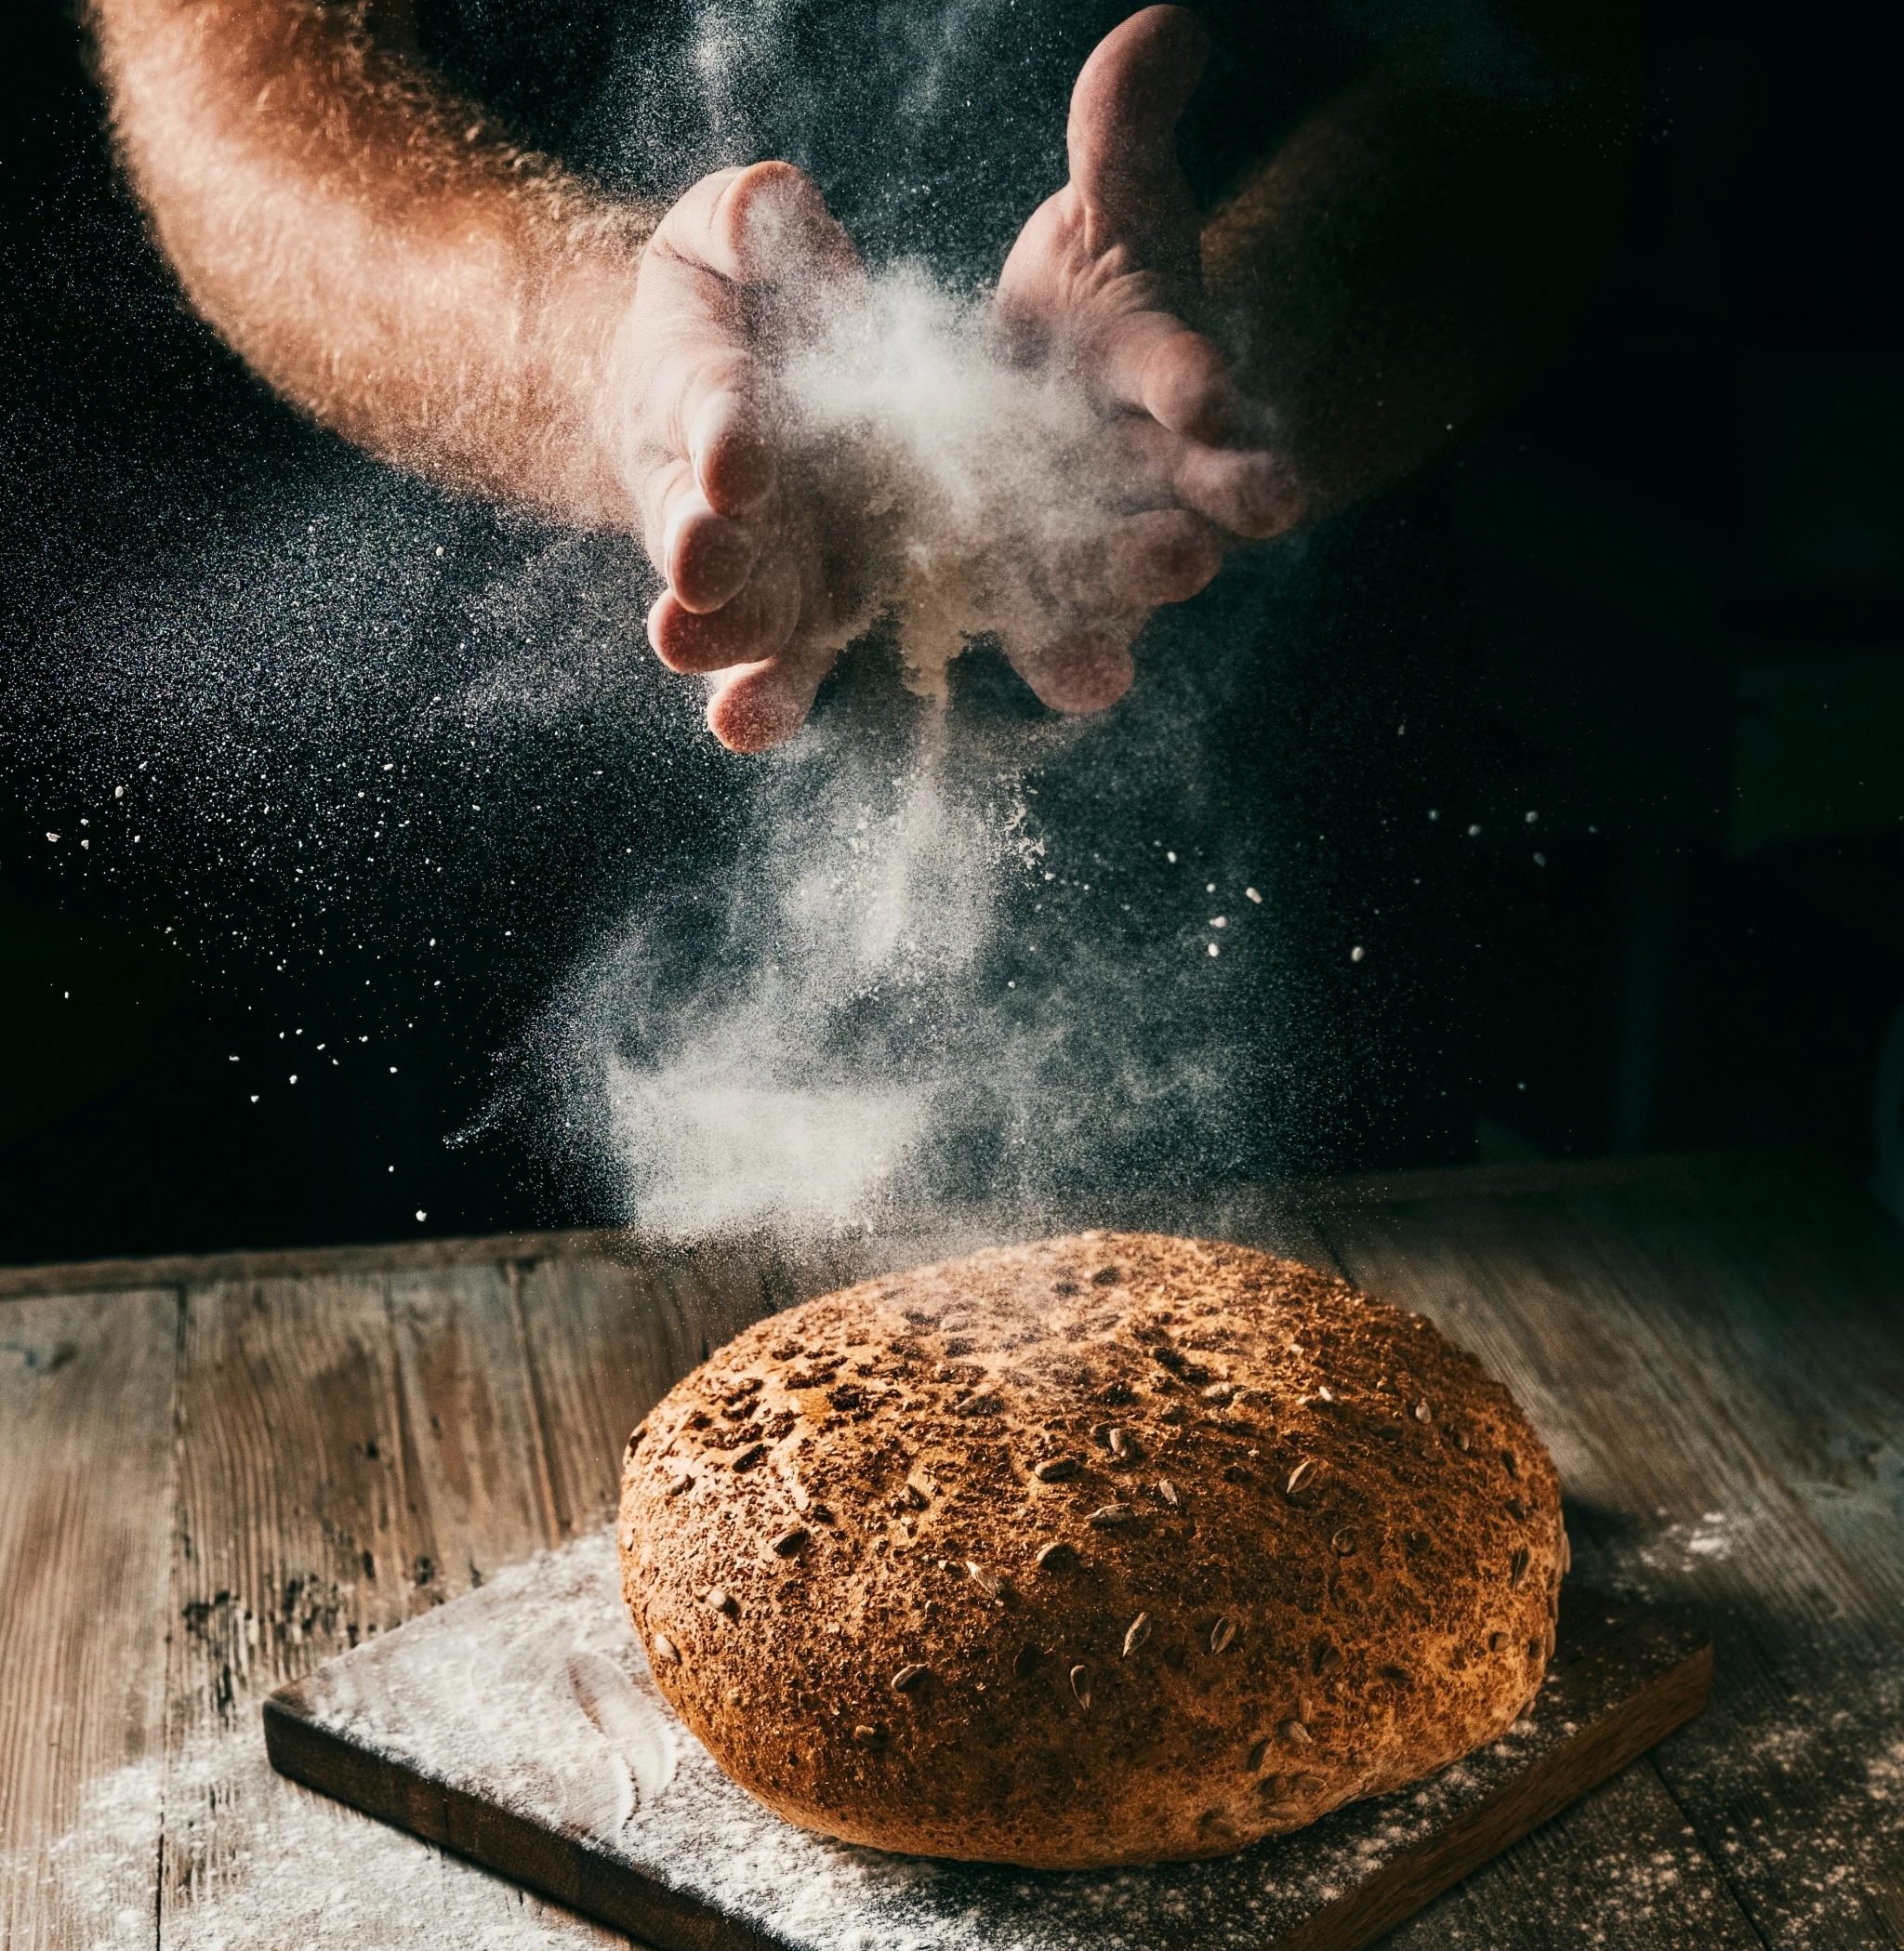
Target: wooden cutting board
point(519, 1727)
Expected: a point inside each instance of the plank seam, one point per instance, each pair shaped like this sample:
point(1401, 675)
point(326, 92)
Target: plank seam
point(182, 1303)
point(1716, 1857)
point(553, 1527)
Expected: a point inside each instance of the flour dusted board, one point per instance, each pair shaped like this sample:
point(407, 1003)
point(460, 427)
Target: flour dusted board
point(519, 1726)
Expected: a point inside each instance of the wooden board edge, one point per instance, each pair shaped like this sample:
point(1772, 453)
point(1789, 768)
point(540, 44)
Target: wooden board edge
point(494, 1840)
point(1409, 1881)
point(172, 1269)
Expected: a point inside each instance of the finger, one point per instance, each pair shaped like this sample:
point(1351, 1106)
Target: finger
point(709, 560)
point(758, 225)
point(1121, 133)
point(1253, 491)
point(704, 557)
point(728, 447)
point(754, 626)
point(1152, 363)
point(1134, 463)
point(1160, 556)
point(766, 703)
point(1084, 670)
point(1249, 492)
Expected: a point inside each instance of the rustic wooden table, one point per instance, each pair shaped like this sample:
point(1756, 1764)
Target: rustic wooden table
point(216, 1472)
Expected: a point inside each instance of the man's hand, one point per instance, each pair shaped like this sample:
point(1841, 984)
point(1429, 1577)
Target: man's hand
point(1102, 276)
point(757, 589)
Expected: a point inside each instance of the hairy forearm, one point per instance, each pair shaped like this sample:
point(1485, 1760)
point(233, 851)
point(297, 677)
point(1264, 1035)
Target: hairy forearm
point(375, 248)
point(1405, 260)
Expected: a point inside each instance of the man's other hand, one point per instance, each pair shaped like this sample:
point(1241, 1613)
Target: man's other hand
point(1102, 275)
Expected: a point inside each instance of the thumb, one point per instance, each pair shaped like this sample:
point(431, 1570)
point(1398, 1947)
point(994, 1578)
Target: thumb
point(1121, 134)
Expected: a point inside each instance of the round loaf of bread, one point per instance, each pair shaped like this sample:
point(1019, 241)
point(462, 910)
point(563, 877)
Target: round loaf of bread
point(1106, 1549)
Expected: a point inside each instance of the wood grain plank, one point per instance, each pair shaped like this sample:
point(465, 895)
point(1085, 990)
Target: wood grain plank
point(358, 1450)
point(478, 1494)
point(1815, 1337)
point(87, 1402)
point(603, 1343)
point(1624, 1323)
point(476, 1482)
point(298, 1263)
point(1622, 1868)
point(292, 1539)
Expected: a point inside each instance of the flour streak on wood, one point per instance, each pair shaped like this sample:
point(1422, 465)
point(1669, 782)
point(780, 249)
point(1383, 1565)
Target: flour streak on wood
point(520, 1726)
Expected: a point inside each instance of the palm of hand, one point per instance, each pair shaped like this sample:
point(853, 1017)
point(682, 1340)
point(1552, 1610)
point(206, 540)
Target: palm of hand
point(1102, 277)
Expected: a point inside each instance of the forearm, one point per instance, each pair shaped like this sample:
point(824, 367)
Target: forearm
point(1403, 261)
point(375, 248)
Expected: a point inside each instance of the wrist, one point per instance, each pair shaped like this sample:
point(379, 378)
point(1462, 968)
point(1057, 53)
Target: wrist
point(580, 340)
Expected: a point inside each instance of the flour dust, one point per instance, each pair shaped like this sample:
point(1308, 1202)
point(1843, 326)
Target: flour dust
point(968, 472)
point(785, 1050)
point(829, 1031)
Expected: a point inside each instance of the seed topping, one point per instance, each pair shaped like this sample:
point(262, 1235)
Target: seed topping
point(1137, 1633)
point(1220, 1634)
point(1299, 1476)
point(665, 1649)
point(790, 1540)
point(1108, 1516)
point(1055, 1556)
point(1055, 1469)
point(1294, 1734)
point(986, 1580)
point(1422, 1412)
point(721, 1601)
point(749, 1456)
point(1167, 1492)
point(1080, 1686)
point(907, 1678)
point(1517, 1566)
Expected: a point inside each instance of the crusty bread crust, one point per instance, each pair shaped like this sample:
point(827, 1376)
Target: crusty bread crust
point(1105, 1549)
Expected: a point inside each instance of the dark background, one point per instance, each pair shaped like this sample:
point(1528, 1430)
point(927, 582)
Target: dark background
point(1682, 560)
